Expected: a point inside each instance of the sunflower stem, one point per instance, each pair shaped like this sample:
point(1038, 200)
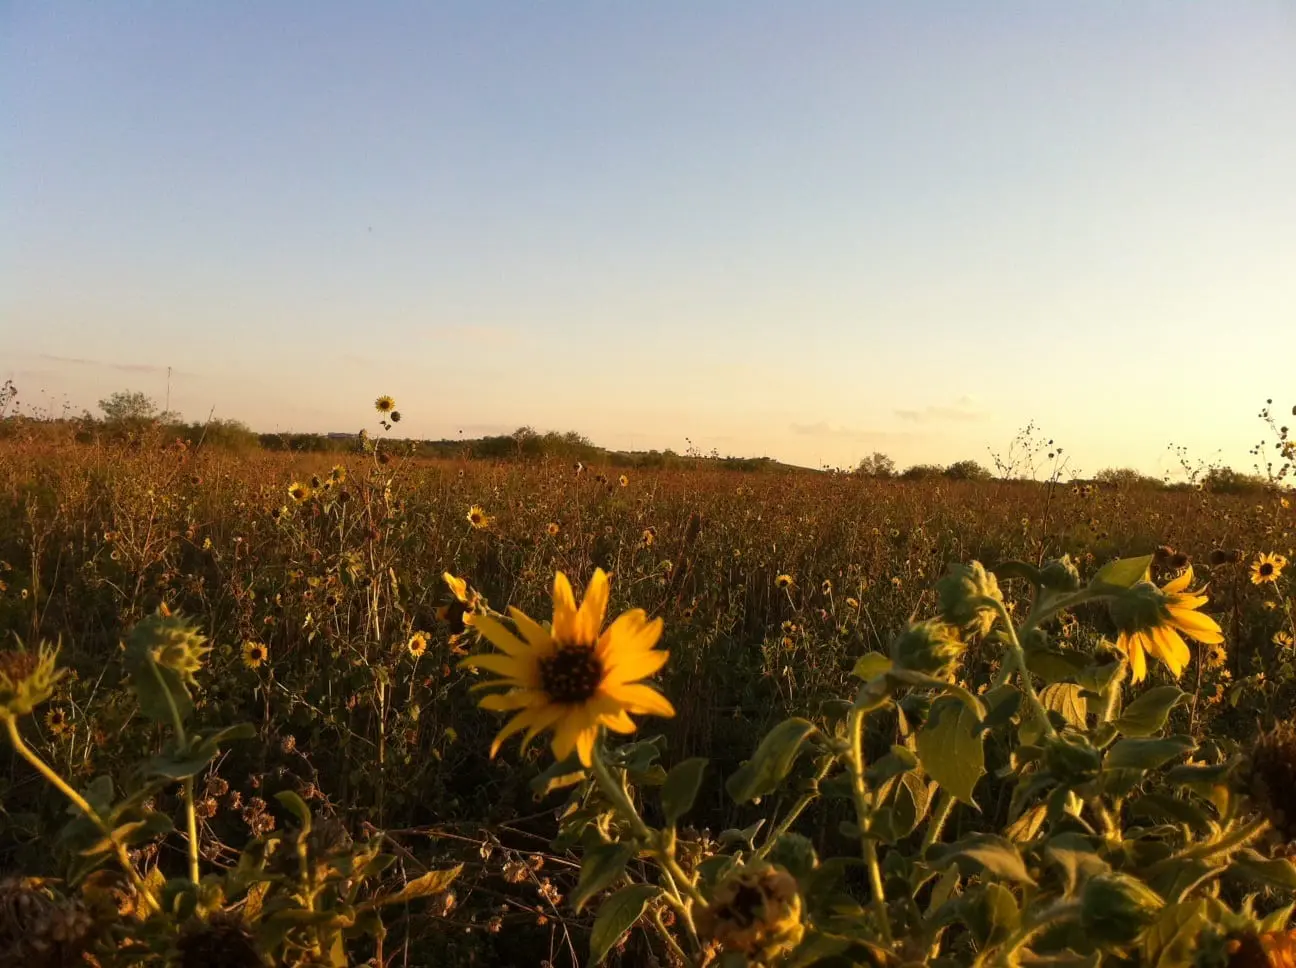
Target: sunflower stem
point(859, 795)
point(1017, 657)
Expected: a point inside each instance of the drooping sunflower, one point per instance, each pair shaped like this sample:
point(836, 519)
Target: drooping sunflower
point(417, 644)
point(1267, 568)
point(299, 492)
point(574, 677)
point(477, 517)
point(1150, 619)
point(384, 404)
point(254, 654)
point(453, 613)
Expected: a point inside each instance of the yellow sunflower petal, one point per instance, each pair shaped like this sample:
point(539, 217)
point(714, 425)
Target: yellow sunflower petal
point(630, 667)
point(458, 587)
point(1171, 649)
point(618, 722)
point(516, 699)
point(631, 632)
point(585, 744)
point(640, 699)
point(505, 665)
point(1132, 647)
point(498, 635)
point(537, 635)
point(1179, 584)
point(552, 712)
point(564, 609)
point(1195, 625)
point(566, 729)
point(523, 720)
point(593, 608)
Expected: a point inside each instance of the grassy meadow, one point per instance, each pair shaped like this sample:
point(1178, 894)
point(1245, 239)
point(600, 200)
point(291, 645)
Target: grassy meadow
point(334, 633)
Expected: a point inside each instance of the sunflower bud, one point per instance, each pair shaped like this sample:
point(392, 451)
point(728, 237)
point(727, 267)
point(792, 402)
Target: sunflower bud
point(1060, 575)
point(931, 647)
point(27, 679)
point(755, 911)
point(963, 593)
point(1268, 776)
point(1115, 908)
point(174, 644)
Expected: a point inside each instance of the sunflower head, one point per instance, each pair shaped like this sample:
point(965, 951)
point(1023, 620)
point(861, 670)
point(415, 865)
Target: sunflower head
point(417, 644)
point(223, 939)
point(56, 721)
point(384, 404)
point(932, 647)
point(649, 537)
point(1149, 621)
point(826, 587)
point(255, 654)
point(784, 581)
point(477, 517)
point(338, 474)
point(1267, 568)
point(1215, 655)
point(574, 677)
point(299, 492)
point(552, 529)
point(623, 480)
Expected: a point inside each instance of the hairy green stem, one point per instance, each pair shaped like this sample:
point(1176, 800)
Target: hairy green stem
point(187, 785)
point(935, 826)
point(80, 802)
point(1017, 658)
point(859, 795)
point(798, 808)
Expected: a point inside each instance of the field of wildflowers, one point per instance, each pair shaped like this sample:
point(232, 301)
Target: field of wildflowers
point(269, 708)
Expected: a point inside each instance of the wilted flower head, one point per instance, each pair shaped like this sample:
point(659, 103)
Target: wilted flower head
point(931, 647)
point(1115, 908)
point(1268, 775)
point(174, 643)
point(965, 594)
point(27, 679)
point(755, 911)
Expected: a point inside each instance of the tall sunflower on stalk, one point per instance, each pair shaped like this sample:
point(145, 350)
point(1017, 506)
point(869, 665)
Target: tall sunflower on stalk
point(574, 677)
point(1150, 620)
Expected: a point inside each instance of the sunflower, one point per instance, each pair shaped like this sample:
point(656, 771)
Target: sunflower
point(254, 654)
point(784, 581)
point(826, 587)
point(552, 529)
point(395, 416)
point(1150, 620)
point(477, 517)
point(1283, 640)
point(338, 474)
point(299, 492)
point(649, 536)
point(417, 644)
point(852, 601)
point(623, 481)
point(56, 721)
point(465, 601)
point(1267, 568)
point(384, 404)
point(575, 676)
point(1215, 655)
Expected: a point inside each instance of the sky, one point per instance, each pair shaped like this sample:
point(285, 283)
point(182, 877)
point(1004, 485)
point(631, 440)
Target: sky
point(808, 230)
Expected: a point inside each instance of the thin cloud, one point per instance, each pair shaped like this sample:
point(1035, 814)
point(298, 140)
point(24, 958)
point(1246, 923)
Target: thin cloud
point(963, 410)
point(104, 364)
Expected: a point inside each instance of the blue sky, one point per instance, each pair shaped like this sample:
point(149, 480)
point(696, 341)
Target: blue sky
point(809, 230)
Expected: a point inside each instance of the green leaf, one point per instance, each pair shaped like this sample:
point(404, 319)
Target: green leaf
point(681, 788)
point(871, 665)
point(1277, 873)
point(600, 867)
point(892, 764)
point(431, 883)
point(1121, 573)
point(158, 688)
point(992, 915)
point(1147, 754)
point(949, 746)
point(1148, 713)
point(1077, 858)
point(772, 761)
point(180, 764)
point(616, 916)
point(295, 805)
point(1002, 703)
point(1067, 700)
point(993, 853)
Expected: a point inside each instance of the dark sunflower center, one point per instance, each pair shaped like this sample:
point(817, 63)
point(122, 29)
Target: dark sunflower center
point(572, 674)
point(746, 905)
point(1266, 569)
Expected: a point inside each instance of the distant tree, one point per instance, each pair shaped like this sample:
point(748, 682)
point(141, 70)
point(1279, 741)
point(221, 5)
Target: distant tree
point(876, 464)
point(133, 406)
point(967, 470)
point(1225, 480)
point(922, 472)
point(1126, 478)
